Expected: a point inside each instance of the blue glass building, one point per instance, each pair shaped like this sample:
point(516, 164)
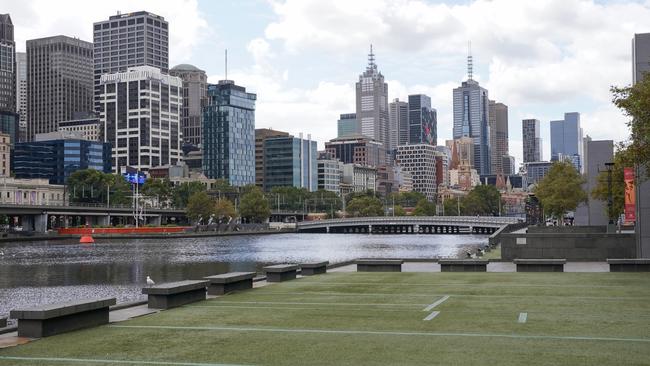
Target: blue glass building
point(566, 140)
point(229, 134)
point(9, 122)
point(290, 162)
point(57, 159)
point(423, 120)
point(347, 125)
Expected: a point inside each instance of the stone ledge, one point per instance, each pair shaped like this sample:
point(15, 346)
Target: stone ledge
point(379, 262)
point(230, 277)
point(478, 262)
point(629, 261)
point(279, 268)
point(540, 261)
point(314, 264)
point(171, 288)
point(56, 310)
point(3, 322)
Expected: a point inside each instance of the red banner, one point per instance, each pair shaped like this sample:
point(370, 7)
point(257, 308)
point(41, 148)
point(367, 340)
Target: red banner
point(630, 196)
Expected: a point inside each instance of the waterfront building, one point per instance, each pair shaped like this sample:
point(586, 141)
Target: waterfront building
point(597, 154)
point(128, 40)
point(262, 134)
point(471, 119)
point(498, 113)
point(194, 94)
point(398, 123)
point(229, 134)
point(141, 116)
point(59, 81)
point(566, 140)
point(329, 173)
point(290, 162)
point(535, 171)
point(357, 149)
point(5, 154)
point(532, 141)
point(422, 120)
point(56, 155)
point(358, 178)
point(7, 65)
point(21, 94)
point(87, 125)
point(16, 191)
point(372, 103)
point(420, 161)
point(347, 125)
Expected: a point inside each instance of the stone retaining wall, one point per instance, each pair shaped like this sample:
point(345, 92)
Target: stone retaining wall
point(570, 246)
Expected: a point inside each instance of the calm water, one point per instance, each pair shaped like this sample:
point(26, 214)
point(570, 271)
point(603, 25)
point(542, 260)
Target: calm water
point(45, 272)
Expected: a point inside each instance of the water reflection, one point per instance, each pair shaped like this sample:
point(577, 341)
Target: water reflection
point(42, 272)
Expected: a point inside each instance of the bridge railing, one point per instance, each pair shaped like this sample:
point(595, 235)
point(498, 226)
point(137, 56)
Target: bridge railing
point(414, 219)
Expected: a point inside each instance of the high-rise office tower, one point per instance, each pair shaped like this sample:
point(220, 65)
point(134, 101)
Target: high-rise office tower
point(566, 140)
point(347, 125)
point(7, 65)
point(531, 140)
point(195, 94)
point(498, 136)
point(372, 103)
point(398, 122)
point(127, 40)
point(471, 116)
point(59, 81)
point(261, 134)
point(141, 114)
point(640, 56)
point(420, 161)
point(21, 93)
point(290, 162)
point(422, 120)
point(229, 134)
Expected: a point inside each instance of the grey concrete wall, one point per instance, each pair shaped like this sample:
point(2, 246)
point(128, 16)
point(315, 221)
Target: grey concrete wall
point(596, 154)
point(566, 229)
point(643, 216)
point(570, 246)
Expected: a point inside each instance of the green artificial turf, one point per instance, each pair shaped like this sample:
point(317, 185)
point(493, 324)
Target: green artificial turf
point(377, 319)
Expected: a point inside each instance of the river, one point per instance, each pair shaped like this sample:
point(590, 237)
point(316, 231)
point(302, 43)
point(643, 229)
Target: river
point(34, 273)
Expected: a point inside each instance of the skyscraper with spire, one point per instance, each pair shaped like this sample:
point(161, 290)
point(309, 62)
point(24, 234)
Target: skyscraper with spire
point(372, 104)
point(471, 118)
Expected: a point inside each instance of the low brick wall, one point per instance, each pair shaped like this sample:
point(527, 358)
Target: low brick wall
point(570, 246)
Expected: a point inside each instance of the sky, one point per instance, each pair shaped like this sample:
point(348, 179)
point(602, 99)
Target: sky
point(541, 58)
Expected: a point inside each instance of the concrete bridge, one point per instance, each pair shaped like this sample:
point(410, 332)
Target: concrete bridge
point(409, 225)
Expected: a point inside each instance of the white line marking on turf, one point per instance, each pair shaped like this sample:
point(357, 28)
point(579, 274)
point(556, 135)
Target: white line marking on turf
point(428, 308)
point(370, 332)
point(127, 362)
point(522, 317)
point(313, 303)
point(432, 315)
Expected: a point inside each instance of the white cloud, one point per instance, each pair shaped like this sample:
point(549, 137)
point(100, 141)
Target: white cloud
point(75, 18)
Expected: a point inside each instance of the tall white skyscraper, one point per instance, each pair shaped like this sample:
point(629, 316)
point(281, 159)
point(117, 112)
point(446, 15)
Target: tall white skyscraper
point(21, 93)
point(372, 103)
point(398, 122)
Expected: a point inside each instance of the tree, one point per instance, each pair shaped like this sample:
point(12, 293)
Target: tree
point(406, 199)
point(561, 190)
point(289, 198)
point(94, 186)
point(160, 189)
point(453, 206)
point(634, 101)
point(425, 208)
point(324, 201)
point(182, 193)
point(366, 193)
point(254, 207)
point(622, 158)
point(365, 206)
point(200, 206)
point(482, 200)
point(225, 210)
point(399, 211)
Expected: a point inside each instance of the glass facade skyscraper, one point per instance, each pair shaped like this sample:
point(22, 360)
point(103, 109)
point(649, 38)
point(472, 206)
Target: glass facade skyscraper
point(398, 123)
point(372, 103)
point(422, 120)
point(531, 140)
point(471, 116)
point(229, 134)
point(7, 65)
point(290, 162)
point(566, 140)
point(347, 125)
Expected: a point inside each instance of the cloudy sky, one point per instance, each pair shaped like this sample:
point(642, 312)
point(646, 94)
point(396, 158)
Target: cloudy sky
point(302, 57)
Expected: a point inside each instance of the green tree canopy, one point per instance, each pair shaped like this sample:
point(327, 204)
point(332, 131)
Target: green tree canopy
point(482, 200)
point(399, 211)
point(453, 206)
point(94, 186)
point(425, 208)
point(623, 158)
point(561, 190)
point(324, 201)
point(182, 192)
point(225, 210)
point(160, 189)
point(405, 199)
point(254, 207)
point(288, 198)
point(365, 206)
point(200, 206)
point(634, 101)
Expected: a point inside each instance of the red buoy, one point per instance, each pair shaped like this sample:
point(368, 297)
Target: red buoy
point(86, 239)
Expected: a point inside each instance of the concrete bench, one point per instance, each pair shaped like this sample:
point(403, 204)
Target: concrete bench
point(280, 272)
point(314, 268)
point(540, 265)
point(379, 265)
point(629, 265)
point(51, 319)
point(174, 294)
point(3, 322)
point(229, 282)
point(460, 265)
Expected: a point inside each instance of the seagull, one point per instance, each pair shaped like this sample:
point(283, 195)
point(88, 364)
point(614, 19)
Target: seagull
point(150, 281)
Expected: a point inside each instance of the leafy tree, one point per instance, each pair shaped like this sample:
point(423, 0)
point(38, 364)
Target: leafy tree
point(289, 198)
point(622, 159)
point(365, 206)
point(324, 201)
point(200, 206)
point(406, 199)
point(161, 189)
point(561, 189)
point(452, 206)
point(254, 207)
point(425, 208)
point(225, 210)
point(399, 211)
point(482, 200)
point(182, 193)
point(94, 186)
point(366, 193)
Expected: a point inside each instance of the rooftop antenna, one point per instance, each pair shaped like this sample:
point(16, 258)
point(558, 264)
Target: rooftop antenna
point(470, 61)
point(371, 58)
point(226, 64)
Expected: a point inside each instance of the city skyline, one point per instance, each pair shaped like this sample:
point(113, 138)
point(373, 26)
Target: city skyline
point(538, 73)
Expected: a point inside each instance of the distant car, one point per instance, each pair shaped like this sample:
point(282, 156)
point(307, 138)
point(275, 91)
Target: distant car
point(18, 228)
